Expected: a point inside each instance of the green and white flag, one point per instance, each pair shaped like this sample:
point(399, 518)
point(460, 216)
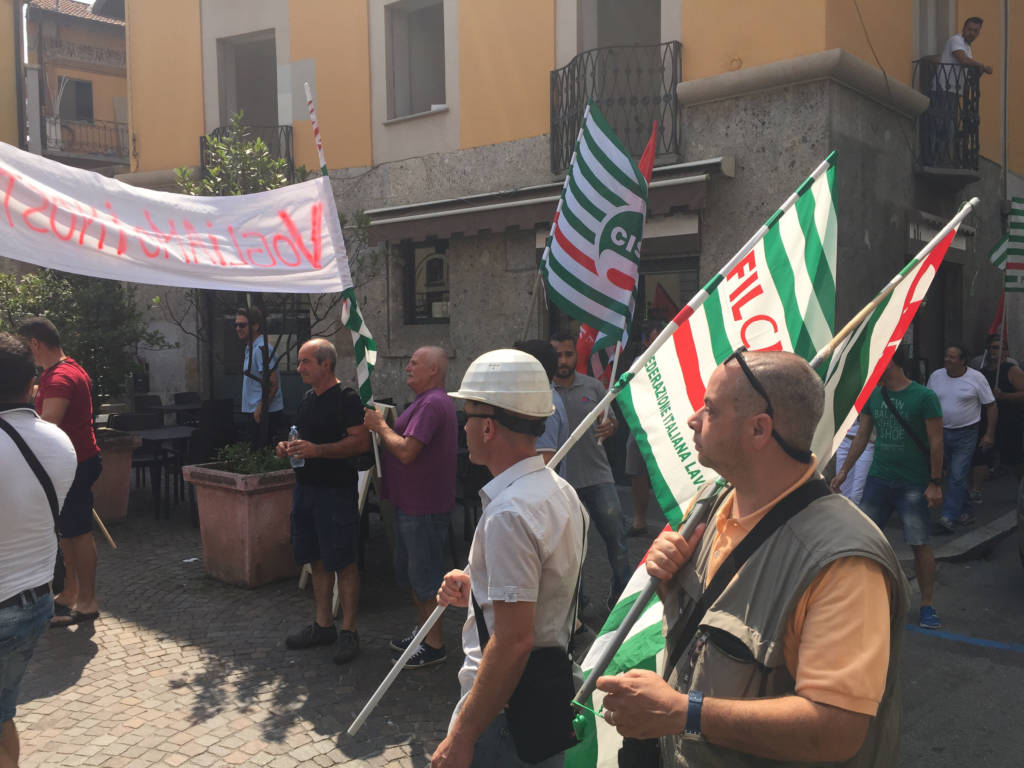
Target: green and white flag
point(591, 262)
point(855, 367)
point(780, 295)
point(363, 346)
point(1008, 254)
point(850, 374)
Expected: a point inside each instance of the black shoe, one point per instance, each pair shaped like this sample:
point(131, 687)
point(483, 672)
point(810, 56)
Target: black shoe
point(348, 646)
point(311, 636)
point(425, 656)
point(401, 643)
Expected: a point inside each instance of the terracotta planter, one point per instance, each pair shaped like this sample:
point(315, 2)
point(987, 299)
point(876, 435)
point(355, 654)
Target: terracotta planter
point(110, 491)
point(245, 524)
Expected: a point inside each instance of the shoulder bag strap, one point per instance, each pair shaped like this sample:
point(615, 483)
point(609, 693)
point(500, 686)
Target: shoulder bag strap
point(776, 517)
point(478, 613)
point(37, 468)
point(903, 423)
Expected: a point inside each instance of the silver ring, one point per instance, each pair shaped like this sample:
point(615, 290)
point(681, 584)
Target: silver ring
point(608, 717)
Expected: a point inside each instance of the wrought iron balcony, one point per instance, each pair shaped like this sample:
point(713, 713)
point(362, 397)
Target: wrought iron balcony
point(632, 85)
point(948, 129)
point(99, 140)
point(278, 139)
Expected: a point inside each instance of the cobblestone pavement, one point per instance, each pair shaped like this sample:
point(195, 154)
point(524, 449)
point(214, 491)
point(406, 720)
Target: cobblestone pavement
point(181, 669)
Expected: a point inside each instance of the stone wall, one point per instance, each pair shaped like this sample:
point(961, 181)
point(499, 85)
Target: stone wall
point(779, 135)
point(490, 274)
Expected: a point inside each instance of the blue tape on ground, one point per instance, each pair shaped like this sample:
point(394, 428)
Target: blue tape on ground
point(980, 642)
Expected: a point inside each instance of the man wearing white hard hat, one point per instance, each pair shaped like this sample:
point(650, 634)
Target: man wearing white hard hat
point(522, 581)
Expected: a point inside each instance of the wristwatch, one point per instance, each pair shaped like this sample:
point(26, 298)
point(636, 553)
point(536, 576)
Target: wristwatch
point(936, 481)
point(693, 713)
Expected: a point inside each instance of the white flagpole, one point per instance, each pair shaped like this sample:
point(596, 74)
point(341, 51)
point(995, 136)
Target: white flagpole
point(410, 649)
point(374, 437)
point(611, 383)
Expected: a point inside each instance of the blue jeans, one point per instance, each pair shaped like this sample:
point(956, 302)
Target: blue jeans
point(495, 749)
point(602, 503)
point(957, 450)
point(420, 541)
point(883, 497)
point(20, 628)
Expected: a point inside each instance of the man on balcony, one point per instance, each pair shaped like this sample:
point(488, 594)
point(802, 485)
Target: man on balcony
point(947, 88)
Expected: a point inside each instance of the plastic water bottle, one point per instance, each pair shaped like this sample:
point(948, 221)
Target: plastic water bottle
point(297, 461)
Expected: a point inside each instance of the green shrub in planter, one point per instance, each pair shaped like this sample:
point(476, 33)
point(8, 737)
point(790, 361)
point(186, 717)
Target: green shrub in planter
point(243, 460)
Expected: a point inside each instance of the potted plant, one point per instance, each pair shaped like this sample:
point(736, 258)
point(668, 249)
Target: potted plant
point(244, 500)
point(111, 489)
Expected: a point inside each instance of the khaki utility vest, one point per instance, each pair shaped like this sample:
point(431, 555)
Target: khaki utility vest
point(737, 652)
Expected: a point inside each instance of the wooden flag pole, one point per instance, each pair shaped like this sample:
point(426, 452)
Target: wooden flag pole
point(103, 529)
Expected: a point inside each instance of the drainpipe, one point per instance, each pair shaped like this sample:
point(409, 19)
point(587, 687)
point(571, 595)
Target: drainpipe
point(1006, 77)
point(19, 73)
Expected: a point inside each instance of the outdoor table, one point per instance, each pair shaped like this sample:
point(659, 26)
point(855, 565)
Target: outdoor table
point(176, 408)
point(160, 435)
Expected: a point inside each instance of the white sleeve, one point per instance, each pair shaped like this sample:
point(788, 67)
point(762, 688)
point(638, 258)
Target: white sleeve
point(957, 43)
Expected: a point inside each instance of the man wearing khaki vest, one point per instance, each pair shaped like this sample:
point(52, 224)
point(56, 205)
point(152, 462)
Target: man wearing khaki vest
point(795, 659)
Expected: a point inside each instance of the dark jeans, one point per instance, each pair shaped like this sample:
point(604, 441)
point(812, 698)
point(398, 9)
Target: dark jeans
point(602, 503)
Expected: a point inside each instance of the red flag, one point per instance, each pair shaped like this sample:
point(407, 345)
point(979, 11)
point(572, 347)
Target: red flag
point(646, 164)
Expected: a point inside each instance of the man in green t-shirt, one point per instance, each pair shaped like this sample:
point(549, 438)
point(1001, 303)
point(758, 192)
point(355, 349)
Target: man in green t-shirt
point(906, 472)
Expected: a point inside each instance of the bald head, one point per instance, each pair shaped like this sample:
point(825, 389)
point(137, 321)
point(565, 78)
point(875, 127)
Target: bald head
point(323, 351)
point(427, 369)
point(796, 392)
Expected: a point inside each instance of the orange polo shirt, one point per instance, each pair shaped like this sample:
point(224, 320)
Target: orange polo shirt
point(836, 643)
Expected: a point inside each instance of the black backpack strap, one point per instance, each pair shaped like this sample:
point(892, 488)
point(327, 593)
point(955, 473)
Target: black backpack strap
point(776, 517)
point(903, 423)
point(37, 468)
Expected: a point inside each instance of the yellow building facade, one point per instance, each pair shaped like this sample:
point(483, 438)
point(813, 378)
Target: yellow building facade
point(10, 73)
point(75, 85)
point(504, 54)
point(451, 122)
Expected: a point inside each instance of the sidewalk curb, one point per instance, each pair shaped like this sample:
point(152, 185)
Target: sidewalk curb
point(974, 543)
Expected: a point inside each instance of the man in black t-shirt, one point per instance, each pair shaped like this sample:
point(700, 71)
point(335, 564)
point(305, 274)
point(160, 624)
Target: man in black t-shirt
point(325, 515)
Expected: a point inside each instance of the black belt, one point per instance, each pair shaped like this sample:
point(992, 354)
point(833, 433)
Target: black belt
point(26, 596)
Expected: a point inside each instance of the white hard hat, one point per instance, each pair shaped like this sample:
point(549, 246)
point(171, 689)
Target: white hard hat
point(508, 379)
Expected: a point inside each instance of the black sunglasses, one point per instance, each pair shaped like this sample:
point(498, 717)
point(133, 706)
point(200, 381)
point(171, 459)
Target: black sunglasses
point(804, 457)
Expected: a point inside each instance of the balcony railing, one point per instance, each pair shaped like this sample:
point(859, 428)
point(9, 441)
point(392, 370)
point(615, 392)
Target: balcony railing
point(99, 139)
point(948, 129)
point(632, 85)
point(278, 139)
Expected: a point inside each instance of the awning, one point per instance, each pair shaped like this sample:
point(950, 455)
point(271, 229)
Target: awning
point(678, 187)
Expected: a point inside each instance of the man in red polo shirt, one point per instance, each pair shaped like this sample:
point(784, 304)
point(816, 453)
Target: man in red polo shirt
point(64, 398)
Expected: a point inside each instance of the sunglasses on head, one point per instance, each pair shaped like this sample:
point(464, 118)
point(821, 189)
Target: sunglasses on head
point(796, 454)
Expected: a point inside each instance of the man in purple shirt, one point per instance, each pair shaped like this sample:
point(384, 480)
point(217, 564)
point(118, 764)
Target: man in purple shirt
point(418, 465)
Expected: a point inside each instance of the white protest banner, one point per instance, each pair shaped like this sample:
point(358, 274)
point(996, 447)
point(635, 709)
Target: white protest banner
point(65, 218)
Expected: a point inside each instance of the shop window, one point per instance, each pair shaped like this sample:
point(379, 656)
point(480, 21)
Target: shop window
point(426, 279)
